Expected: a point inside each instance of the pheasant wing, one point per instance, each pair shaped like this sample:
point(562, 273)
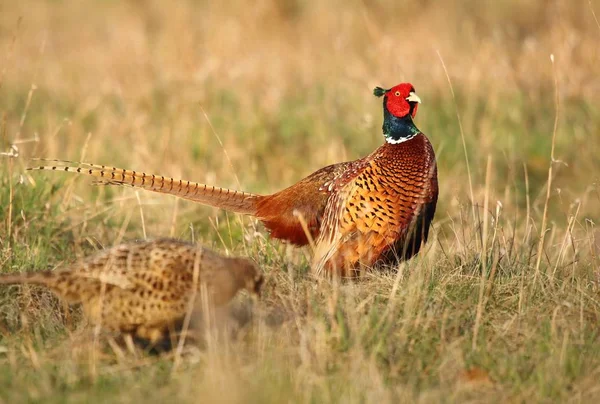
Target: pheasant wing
point(341, 189)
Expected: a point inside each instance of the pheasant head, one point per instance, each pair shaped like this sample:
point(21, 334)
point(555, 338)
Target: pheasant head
point(248, 275)
point(400, 105)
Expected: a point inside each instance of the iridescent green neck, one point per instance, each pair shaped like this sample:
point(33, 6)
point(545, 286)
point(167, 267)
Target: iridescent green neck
point(397, 130)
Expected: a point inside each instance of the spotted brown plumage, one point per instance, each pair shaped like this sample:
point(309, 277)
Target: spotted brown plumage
point(382, 212)
point(360, 213)
point(144, 288)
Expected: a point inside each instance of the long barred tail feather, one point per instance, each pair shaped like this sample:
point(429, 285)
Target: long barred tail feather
point(37, 278)
point(235, 201)
point(62, 283)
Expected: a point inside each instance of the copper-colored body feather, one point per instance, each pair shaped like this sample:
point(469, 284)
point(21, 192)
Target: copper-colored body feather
point(382, 207)
point(144, 288)
point(360, 213)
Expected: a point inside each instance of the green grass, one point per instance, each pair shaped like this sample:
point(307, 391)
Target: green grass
point(358, 341)
point(203, 92)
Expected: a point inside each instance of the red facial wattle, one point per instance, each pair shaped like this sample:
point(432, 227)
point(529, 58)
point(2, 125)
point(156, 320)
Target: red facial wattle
point(414, 111)
point(396, 102)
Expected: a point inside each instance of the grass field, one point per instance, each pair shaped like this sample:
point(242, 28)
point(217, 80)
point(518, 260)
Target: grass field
point(503, 304)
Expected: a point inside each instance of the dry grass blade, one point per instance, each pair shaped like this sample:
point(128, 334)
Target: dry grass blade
point(543, 229)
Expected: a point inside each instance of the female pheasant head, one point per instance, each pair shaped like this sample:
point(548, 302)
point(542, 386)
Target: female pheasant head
point(400, 105)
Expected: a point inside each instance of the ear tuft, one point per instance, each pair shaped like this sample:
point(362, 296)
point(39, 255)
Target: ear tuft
point(379, 92)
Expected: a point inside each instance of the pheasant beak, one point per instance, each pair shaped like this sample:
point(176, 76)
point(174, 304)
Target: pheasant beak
point(413, 97)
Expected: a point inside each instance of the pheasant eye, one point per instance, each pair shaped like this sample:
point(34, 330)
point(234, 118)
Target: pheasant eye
point(397, 93)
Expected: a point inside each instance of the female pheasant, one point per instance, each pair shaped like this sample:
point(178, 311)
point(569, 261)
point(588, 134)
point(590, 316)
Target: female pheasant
point(360, 213)
point(144, 289)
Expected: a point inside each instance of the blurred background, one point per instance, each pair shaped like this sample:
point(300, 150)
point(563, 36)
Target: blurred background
point(286, 86)
point(257, 95)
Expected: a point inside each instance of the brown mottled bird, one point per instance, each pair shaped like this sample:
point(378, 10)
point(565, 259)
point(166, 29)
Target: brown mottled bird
point(144, 288)
point(360, 213)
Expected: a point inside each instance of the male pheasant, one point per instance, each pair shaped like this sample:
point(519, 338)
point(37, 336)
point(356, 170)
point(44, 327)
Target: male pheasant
point(360, 213)
point(143, 289)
